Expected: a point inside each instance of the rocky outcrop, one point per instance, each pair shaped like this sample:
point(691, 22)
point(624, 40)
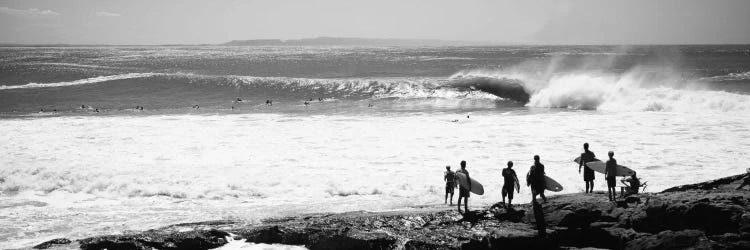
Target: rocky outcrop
point(705, 215)
point(158, 239)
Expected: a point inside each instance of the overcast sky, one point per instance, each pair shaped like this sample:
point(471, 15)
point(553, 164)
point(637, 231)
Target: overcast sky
point(527, 22)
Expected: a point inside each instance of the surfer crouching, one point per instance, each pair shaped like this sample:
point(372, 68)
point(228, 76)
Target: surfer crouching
point(464, 191)
point(450, 183)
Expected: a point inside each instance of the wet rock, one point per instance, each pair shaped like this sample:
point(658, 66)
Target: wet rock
point(671, 240)
point(715, 213)
point(53, 243)
point(183, 240)
point(709, 185)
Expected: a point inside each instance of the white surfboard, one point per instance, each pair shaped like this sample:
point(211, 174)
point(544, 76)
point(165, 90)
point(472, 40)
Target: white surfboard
point(552, 185)
point(463, 181)
point(600, 166)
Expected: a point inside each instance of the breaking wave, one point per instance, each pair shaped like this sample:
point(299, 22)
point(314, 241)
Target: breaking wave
point(638, 89)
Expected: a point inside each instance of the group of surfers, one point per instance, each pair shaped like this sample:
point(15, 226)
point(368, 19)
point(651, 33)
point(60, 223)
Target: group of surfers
point(535, 179)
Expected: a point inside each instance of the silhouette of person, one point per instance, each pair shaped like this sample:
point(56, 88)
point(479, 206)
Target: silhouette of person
point(535, 179)
point(610, 173)
point(588, 173)
point(464, 191)
point(510, 181)
point(632, 184)
point(450, 184)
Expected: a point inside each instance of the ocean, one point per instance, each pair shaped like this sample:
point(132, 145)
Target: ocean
point(349, 128)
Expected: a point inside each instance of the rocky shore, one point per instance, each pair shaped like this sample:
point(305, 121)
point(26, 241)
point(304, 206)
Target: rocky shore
point(708, 215)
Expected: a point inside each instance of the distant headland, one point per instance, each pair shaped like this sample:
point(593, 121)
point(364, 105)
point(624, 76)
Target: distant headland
point(350, 41)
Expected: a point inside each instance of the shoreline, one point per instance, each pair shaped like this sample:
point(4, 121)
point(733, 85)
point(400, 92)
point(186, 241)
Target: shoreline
point(709, 214)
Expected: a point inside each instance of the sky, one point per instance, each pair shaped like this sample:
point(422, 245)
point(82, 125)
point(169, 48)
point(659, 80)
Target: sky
point(498, 21)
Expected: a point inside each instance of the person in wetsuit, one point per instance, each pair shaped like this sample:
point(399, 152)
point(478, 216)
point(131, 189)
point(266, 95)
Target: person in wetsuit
point(588, 173)
point(464, 191)
point(450, 184)
point(610, 173)
point(510, 181)
point(632, 184)
point(535, 179)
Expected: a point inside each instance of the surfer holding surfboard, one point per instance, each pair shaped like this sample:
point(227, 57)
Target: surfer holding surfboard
point(463, 190)
point(535, 179)
point(588, 173)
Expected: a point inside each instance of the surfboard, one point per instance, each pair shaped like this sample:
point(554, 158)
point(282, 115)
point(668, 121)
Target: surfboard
point(552, 185)
point(600, 166)
point(476, 187)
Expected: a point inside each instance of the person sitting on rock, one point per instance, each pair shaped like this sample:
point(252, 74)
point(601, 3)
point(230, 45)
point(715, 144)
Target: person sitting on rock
point(632, 184)
point(464, 191)
point(510, 181)
point(535, 179)
point(610, 173)
point(450, 184)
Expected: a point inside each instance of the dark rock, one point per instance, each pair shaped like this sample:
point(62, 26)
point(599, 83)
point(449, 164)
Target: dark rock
point(205, 239)
point(580, 218)
point(708, 185)
point(671, 240)
point(508, 214)
point(717, 215)
point(53, 243)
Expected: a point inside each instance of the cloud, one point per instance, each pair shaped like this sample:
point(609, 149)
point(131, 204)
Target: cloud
point(107, 14)
point(27, 13)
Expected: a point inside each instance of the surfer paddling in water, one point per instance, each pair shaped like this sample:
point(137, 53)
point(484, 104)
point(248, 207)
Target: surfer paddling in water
point(464, 191)
point(450, 183)
point(610, 172)
point(588, 173)
point(510, 181)
point(535, 179)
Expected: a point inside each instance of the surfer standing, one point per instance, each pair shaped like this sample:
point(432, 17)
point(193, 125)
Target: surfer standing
point(535, 179)
point(588, 173)
point(510, 181)
point(450, 183)
point(610, 172)
point(464, 191)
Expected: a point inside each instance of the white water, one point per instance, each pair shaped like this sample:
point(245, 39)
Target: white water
point(81, 176)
